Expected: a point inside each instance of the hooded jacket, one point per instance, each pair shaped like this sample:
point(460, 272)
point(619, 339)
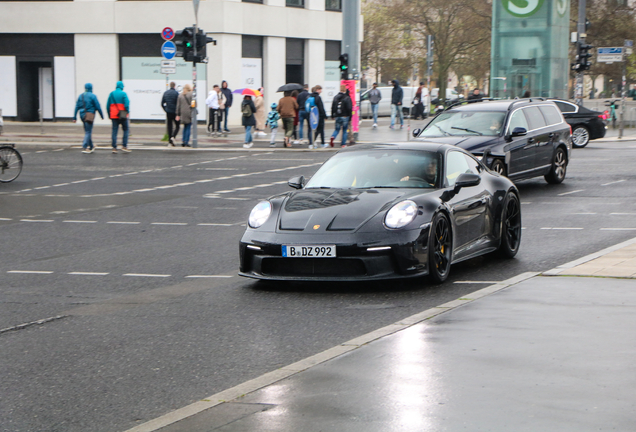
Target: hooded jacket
point(321, 107)
point(345, 107)
point(90, 100)
point(397, 94)
point(228, 95)
point(117, 101)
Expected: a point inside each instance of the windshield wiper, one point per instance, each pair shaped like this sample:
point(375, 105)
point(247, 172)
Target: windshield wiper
point(442, 130)
point(467, 130)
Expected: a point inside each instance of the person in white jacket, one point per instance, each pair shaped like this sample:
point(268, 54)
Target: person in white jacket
point(216, 106)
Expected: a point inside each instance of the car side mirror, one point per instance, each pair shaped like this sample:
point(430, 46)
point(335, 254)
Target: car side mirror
point(297, 182)
point(519, 131)
point(416, 132)
point(467, 180)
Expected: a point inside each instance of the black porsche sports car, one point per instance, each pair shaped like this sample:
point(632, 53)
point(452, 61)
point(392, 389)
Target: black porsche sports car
point(383, 211)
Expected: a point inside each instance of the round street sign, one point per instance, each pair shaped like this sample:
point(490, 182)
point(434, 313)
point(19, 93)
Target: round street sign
point(167, 33)
point(314, 118)
point(168, 50)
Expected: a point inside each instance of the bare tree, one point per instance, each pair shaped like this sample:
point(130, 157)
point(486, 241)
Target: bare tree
point(381, 35)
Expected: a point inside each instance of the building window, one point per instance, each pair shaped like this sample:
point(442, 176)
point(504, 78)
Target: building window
point(332, 50)
point(296, 3)
point(295, 55)
point(253, 1)
point(252, 46)
point(333, 5)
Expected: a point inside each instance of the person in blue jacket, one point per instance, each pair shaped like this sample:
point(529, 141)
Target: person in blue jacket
point(87, 103)
point(118, 109)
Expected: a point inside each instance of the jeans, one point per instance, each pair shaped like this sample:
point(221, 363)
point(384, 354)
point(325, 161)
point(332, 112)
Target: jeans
point(186, 133)
point(215, 120)
point(124, 126)
point(397, 109)
point(302, 116)
point(248, 134)
point(172, 122)
point(341, 122)
point(320, 130)
point(88, 131)
point(374, 110)
point(227, 110)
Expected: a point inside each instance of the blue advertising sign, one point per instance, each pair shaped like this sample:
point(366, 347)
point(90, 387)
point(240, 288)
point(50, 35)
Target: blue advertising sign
point(314, 118)
point(168, 50)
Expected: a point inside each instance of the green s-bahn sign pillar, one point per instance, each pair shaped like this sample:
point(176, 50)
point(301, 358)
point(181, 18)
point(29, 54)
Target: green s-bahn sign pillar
point(529, 48)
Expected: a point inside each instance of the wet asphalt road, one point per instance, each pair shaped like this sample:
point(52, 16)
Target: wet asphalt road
point(131, 262)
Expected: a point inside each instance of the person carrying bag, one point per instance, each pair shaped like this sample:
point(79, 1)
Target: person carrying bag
point(87, 104)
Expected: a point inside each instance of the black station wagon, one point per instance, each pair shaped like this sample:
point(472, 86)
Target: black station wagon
point(520, 138)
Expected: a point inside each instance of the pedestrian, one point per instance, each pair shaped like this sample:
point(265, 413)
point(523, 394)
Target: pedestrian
point(228, 103)
point(396, 104)
point(303, 114)
point(259, 103)
point(87, 104)
point(341, 111)
point(375, 96)
point(169, 104)
point(184, 113)
point(476, 95)
point(118, 108)
point(249, 121)
point(322, 115)
point(294, 94)
point(272, 122)
point(418, 102)
point(214, 101)
point(287, 107)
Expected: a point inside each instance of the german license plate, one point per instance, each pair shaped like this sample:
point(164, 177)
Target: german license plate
point(302, 251)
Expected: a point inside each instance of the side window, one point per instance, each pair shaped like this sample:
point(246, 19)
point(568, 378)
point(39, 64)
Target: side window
point(518, 119)
point(565, 107)
point(473, 165)
point(535, 118)
point(551, 114)
point(456, 164)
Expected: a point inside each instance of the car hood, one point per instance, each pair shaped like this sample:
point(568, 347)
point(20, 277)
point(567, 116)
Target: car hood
point(473, 144)
point(320, 210)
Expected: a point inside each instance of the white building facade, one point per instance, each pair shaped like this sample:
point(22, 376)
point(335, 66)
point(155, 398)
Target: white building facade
point(50, 49)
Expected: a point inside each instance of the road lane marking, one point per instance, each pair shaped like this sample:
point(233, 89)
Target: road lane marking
point(218, 224)
point(562, 228)
point(147, 275)
point(169, 223)
point(29, 324)
point(477, 282)
point(36, 220)
point(30, 272)
point(5, 219)
point(87, 273)
point(568, 193)
point(209, 276)
point(79, 221)
point(123, 223)
point(614, 182)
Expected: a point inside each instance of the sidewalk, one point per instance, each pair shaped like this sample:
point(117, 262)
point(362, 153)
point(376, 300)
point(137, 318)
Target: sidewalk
point(539, 352)
point(149, 135)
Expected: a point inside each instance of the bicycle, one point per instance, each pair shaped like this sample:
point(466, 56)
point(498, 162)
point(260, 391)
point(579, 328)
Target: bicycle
point(610, 116)
point(10, 163)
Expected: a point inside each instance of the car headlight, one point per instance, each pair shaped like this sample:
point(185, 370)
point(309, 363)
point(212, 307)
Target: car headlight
point(259, 214)
point(401, 214)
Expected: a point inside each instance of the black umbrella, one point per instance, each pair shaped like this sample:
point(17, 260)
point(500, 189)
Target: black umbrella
point(289, 87)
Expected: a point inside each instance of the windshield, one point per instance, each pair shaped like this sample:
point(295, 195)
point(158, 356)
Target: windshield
point(378, 169)
point(474, 123)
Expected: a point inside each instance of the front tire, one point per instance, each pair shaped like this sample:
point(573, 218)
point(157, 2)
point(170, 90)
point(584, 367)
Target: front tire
point(510, 226)
point(440, 241)
point(499, 167)
point(580, 137)
point(558, 168)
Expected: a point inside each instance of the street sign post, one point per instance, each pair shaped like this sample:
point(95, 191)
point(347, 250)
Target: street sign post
point(167, 33)
point(314, 118)
point(168, 50)
point(165, 70)
point(609, 54)
point(168, 63)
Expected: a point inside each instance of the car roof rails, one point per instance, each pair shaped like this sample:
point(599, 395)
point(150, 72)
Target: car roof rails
point(468, 102)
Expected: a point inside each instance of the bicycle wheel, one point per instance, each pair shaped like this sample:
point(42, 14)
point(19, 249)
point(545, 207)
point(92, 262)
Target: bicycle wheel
point(10, 164)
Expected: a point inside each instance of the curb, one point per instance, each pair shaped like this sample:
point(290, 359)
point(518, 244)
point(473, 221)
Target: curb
point(563, 267)
point(270, 378)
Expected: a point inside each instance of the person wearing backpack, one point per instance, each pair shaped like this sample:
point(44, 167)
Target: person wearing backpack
point(322, 115)
point(249, 121)
point(272, 122)
point(304, 112)
point(341, 111)
point(87, 104)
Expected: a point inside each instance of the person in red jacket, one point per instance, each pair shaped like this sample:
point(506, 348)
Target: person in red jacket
point(117, 107)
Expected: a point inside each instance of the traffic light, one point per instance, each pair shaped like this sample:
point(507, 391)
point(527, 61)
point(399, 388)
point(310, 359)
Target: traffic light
point(584, 55)
point(184, 40)
point(344, 66)
point(202, 41)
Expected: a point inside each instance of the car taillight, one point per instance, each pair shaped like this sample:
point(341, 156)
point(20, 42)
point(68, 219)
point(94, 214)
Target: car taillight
point(605, 115)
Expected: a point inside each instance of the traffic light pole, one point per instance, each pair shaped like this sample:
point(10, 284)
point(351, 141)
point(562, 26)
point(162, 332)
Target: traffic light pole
point(578, 92)
point(351, 46)
point(195, 135)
